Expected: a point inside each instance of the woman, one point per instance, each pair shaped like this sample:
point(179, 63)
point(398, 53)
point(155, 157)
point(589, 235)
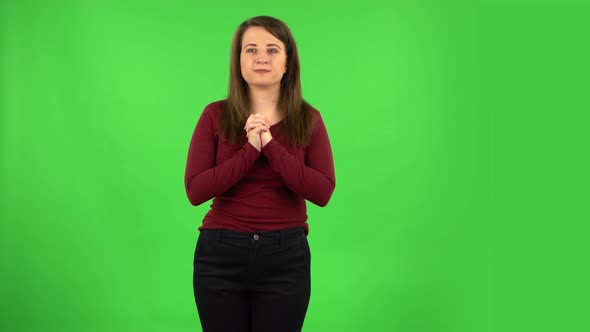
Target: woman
point(260, 153)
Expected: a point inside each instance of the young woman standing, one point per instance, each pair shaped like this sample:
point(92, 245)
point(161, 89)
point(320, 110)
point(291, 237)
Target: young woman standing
point(260, 154)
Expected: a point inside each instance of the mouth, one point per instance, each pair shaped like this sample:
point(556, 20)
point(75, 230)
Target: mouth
point(262, 71)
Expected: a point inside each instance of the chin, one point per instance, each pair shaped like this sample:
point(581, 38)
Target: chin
point(263, 83)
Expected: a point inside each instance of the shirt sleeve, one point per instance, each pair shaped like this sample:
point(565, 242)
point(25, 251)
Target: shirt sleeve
point(204, 179)
point(313, 179)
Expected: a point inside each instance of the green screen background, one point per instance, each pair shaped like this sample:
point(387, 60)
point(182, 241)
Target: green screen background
point(452, 210)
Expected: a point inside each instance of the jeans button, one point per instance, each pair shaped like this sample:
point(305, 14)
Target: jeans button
point(256, 237)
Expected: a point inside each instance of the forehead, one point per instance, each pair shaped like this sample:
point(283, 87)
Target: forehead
point(259, 36)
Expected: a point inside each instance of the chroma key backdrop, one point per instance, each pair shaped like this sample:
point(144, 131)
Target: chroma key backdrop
point(458, 132)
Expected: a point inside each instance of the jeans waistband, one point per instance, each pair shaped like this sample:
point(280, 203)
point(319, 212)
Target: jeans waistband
point(263, 237)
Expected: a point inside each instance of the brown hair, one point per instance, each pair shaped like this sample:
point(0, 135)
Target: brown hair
point(298, 116)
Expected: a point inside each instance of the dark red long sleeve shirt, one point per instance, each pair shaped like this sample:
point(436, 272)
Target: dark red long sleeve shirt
point(257, 190)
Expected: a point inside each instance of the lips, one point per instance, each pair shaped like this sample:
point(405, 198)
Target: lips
point(262, 71)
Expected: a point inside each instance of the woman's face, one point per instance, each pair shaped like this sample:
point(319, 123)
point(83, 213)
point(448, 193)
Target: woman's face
point(263, 58)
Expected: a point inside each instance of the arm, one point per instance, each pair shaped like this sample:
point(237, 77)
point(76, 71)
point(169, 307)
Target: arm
point(204, 179)
point(315, 179)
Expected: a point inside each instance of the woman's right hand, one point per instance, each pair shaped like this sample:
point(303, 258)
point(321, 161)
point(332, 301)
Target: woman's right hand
point(255, 125)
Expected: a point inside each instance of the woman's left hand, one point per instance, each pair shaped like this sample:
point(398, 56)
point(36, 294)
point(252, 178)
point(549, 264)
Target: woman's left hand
point(265, 137)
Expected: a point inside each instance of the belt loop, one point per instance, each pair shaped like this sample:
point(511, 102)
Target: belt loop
point(281, 235)
point(219, 231)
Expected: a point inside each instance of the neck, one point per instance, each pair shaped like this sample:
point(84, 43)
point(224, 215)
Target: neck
point(264, 99)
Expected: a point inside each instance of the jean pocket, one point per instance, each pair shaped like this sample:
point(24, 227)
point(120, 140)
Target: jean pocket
point(306, 250)
point(201, 243)
point(198, 245)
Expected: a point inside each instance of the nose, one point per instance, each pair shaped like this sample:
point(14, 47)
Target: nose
point(261, 60)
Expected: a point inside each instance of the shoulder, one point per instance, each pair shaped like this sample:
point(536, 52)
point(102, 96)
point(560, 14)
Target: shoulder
point(213, 111)
point(318, 122)
point(313, 112)
point(214, 108)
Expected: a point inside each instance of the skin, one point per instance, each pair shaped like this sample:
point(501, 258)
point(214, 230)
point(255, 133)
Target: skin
point(261, 50)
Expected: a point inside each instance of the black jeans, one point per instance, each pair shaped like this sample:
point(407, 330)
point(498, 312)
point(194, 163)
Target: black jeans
point(252, 281)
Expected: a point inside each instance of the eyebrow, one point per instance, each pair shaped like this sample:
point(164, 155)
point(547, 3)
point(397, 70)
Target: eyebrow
point(266, 45)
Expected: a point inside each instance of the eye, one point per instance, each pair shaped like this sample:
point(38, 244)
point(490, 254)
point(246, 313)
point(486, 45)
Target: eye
point(250, 50)
point(273, 50)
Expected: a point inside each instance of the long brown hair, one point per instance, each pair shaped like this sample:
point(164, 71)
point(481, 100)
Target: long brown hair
point(298, 117)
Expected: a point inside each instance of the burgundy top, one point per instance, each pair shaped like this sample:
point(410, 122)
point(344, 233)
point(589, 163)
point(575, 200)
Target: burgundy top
point(253, 190)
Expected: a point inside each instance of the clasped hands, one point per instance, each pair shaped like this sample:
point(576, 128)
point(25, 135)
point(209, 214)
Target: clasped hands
point(258, 131)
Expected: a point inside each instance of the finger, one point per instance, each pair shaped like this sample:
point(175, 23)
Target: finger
point(260, 120)
point(251, 127)
point(256, 123)
point(259, 128)
point(261, 117)
point(248, 121)
point(251, 121)
point(256, 118)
